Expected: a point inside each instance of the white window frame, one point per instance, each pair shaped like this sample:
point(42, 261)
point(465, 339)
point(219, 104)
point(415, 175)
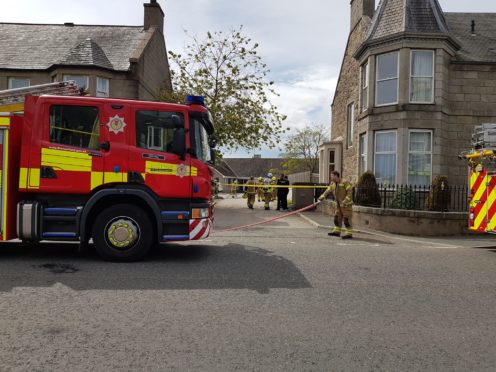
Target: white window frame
point(68, 77)
point(151, 136)
point(362, 152)
point(350, 124)
point(103, 94)
point(364, 84)
point(432, 77)
point(18, 78)
point(419, 152)
point(387, 152)
point(397, 78)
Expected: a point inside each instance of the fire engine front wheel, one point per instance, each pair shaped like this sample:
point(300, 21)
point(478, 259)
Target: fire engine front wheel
point(123, 233)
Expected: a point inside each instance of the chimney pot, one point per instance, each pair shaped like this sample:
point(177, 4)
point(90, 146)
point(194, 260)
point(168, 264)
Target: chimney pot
point(154, 15)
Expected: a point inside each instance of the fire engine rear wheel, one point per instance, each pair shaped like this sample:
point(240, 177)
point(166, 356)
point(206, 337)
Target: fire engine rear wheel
point(123, 233)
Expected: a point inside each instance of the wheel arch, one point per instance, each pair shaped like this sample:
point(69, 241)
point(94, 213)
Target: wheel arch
point(108, 197)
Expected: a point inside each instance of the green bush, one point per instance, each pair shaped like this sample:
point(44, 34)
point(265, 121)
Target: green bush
point(405, 198)
point(367, 192)
point(439, 198)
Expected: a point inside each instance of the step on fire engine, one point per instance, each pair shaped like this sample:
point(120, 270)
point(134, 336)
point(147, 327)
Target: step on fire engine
point(482, 171)
point(126, 174)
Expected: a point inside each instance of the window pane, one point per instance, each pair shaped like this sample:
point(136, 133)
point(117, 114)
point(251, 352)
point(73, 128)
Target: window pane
point(350, 124)
point(76, 126)
point(102, 87)
point(363, 154)
point(81, 81)
point(387, 66)
point(15, 83)
point(155, 129)
point(422, 62)
point(420, 141)
point(385, 142)
point(419, 169)
point(421, 90)
point(387, 92)
point(385, 168)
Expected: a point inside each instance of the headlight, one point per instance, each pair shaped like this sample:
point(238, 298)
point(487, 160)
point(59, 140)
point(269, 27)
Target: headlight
point(200, 213)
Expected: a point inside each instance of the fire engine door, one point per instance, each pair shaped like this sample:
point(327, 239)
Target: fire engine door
point(115, 132)
point(71, 158)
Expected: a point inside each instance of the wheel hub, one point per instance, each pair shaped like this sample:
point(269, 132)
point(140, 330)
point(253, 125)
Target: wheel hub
point(122, 232)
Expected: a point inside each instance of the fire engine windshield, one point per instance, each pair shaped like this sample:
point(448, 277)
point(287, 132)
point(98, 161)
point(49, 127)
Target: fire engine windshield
point(200, 138)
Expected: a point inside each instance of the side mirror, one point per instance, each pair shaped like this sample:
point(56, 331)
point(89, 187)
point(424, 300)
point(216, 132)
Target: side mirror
point(179, 143)
point(212, 156)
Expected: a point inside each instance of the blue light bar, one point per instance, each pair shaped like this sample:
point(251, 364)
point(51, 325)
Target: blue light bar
point(195, 100)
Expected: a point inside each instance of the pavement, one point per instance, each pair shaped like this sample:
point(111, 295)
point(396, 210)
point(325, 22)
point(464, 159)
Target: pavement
point(281, 296)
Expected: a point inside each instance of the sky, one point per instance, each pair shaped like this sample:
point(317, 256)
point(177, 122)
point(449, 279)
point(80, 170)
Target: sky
point(302, 42)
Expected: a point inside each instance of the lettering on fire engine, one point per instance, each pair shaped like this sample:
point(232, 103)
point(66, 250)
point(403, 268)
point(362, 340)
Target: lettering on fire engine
point(116, 124)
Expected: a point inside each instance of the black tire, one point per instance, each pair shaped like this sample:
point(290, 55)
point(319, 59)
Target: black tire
point(123, 233)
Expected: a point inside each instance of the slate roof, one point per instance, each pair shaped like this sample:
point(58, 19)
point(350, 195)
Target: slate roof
point(87, 53)
point(480, 47)
point(247, 167)
point(39, 47)
point(416, 16)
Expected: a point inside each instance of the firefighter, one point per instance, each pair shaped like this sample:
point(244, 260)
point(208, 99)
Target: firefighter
point(251, 192)
point(342, 191)
point(273, 182)
point(267, 191)
point(282, 193)
point(259, 189)
point(234, 189)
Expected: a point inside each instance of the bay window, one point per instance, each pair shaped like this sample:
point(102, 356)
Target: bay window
point(350, 124)
point(422, 76)
point(364, 85)
point(386, 92)
point(420, 157)
point(362, 161)
point(385, 157)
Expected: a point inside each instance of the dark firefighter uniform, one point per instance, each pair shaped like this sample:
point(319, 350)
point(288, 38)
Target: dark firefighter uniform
point(251, 192)
point(343, 199)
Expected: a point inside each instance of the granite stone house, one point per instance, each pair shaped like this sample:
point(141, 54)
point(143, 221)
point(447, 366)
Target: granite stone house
point(108, 61)
point(413, 84)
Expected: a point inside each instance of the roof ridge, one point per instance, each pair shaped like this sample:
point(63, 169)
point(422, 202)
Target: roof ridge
point(63, 25)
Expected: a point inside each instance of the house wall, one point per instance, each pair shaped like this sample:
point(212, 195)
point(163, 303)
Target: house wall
point(347, 92)
point(152, 70)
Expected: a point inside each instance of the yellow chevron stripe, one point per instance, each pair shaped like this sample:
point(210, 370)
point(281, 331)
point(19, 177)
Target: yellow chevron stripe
point(483, 212)
point(491, 200)
point(473, 180)
point(34, 178)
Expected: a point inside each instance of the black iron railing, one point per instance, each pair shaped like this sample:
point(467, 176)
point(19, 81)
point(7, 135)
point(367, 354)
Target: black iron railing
point(420, 198)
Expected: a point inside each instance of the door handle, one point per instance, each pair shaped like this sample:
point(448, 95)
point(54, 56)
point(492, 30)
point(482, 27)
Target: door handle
point(105, 146)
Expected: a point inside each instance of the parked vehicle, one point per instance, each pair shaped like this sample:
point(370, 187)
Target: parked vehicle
point(127, 174)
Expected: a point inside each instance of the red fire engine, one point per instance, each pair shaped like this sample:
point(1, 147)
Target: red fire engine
point(126, 174)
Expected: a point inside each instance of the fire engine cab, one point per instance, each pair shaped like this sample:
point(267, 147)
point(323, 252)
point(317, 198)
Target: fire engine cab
point(482, 179)
point(126, 174)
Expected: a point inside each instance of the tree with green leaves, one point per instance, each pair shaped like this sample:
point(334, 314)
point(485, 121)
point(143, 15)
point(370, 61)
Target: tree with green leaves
point(302, 149)
point(227, 70)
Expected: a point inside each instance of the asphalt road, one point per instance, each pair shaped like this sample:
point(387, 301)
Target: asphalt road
point(283, 297)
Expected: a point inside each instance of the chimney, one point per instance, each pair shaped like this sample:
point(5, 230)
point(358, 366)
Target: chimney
point(154, 15)
point(472, 27)
point(360, 9)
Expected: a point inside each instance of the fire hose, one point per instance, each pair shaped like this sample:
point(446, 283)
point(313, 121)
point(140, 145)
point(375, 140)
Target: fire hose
point(269, 220)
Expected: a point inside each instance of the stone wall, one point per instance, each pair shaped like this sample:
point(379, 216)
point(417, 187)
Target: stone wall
point(153, 68)
point(347, 92)
point(471, 101)
point(412, 223)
